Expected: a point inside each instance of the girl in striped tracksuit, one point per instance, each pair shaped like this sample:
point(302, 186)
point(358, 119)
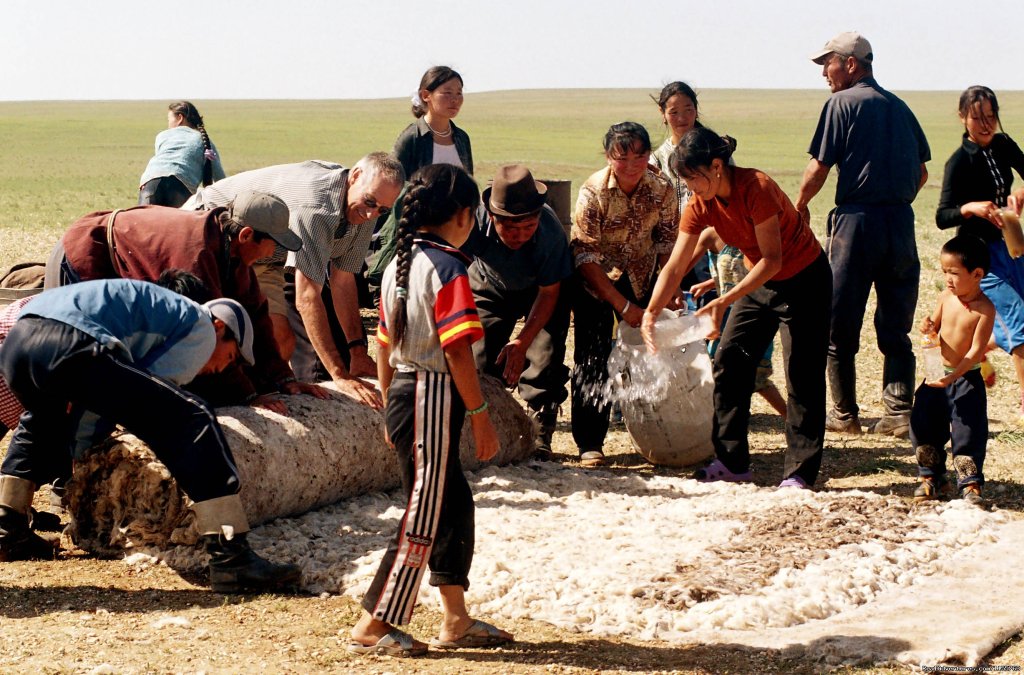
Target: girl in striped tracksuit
point(428, 322)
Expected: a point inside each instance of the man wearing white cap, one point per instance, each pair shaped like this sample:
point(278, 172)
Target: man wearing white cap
point(879, 151)
point(120, 349)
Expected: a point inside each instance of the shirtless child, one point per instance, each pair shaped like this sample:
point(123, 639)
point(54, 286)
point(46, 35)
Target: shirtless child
point(954, 408)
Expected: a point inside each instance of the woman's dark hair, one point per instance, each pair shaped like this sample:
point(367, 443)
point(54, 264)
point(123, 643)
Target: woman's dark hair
point(625, 137)
point(977, 94)
point(195, 120)
point(185, 283)
point(435, 194)
point(698, 148)
point(431, 80)
point(676, 88)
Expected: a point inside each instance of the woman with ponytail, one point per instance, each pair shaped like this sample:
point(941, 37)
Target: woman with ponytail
point(789, 284)
point(185, 158)
point(427, 373)
point(432, 139)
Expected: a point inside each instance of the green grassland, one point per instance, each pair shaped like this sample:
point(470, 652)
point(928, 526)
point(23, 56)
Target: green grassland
point(59, 160)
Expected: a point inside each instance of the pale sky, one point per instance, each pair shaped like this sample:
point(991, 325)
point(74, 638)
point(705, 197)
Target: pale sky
point(138, 49)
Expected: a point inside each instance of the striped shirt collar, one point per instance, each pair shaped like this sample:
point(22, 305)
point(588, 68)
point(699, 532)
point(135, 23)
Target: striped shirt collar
point(428, 240)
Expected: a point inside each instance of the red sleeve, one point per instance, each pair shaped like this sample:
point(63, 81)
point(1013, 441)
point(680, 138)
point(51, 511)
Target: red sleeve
point(382, 326)
point(455, 313)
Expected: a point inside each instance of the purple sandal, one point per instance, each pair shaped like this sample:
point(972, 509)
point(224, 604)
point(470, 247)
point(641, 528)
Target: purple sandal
point(716, 471)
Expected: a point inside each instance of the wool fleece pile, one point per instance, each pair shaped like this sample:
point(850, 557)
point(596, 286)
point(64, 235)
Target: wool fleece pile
point(846, 577)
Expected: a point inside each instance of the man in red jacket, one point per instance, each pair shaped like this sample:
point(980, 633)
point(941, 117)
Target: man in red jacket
point(219, 246)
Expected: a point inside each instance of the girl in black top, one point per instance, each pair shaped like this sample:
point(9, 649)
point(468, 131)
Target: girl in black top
point(977, 183)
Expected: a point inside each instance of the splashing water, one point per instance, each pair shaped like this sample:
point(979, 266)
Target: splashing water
point(635, 375)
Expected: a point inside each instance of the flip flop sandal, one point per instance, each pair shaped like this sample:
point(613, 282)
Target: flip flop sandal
point(480, 634)
point(395, 643)
point(716, 471)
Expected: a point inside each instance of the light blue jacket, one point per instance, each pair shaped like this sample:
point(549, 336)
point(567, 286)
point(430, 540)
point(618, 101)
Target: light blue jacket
point(146, 325)
point(180, 153)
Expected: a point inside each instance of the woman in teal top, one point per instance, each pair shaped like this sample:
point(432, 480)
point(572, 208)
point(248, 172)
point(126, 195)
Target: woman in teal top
point(185, 158)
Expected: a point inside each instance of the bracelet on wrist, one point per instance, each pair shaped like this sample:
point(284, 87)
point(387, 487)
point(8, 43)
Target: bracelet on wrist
point(625, 308)
point(477, 411)
point(358, 342)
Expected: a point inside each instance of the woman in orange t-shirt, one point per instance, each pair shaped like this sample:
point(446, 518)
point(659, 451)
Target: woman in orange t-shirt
point(789, 285)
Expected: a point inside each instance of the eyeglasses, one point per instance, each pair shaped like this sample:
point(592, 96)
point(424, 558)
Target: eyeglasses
point(371, 202)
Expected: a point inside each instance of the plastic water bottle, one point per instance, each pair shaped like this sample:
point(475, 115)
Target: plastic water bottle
point(691, 304)
point(931, 358)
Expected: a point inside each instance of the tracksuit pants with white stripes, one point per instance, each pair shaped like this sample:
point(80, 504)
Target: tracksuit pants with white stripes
point(424, 420)
point(54, 368)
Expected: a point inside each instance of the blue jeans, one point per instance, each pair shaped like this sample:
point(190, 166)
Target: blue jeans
point(49, 364)
point(872, 245)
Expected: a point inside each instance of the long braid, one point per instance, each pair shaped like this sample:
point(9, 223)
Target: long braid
point(194, 120)
point(411, 214)
point(436, 193)
point(208, 154)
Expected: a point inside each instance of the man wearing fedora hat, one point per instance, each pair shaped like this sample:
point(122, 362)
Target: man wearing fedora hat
point(521, 257)
point(879, 151)
point(218, 246)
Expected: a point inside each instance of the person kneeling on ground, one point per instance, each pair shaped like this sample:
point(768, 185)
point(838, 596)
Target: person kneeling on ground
point(119, 349)
point(955, 407)
point(521, 257)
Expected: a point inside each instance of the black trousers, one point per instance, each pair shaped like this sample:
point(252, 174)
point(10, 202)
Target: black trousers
point(594, 333)
point(800, 306)
point(958, 414)
point(873, 245)
point(164, 191)
point(50, 365)
point(542, 382)
point(424, 419)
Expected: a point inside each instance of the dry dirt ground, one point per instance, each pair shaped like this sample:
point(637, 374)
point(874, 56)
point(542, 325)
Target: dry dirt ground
point(79, 614)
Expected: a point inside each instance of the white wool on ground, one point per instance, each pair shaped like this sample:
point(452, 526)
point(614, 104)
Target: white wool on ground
point(657, 557)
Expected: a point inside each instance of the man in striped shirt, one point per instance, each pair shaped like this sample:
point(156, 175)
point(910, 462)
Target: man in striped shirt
point(332, 209)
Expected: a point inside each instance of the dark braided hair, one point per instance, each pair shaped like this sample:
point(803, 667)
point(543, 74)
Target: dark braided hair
point(698, 148)
point(195, 120)
point(436, 193)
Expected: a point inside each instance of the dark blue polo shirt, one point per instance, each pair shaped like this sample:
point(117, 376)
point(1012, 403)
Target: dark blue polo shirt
point(875, 143)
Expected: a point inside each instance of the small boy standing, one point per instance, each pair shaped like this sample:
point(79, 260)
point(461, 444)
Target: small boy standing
point(954, 408)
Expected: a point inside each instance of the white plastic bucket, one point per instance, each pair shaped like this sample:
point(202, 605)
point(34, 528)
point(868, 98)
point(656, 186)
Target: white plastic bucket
point(671, 426)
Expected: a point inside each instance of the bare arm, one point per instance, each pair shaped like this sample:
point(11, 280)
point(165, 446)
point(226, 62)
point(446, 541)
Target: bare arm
point(769, 243)
point(814, 178)
point(345, 295)
point(311, 308)
point(924, 177)
point(462, 367)
point(605, 290)
point(513, 355)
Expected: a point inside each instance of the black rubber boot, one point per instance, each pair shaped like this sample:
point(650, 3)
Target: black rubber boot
point(235, 567)
point(19, 542)
point(544, 421)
